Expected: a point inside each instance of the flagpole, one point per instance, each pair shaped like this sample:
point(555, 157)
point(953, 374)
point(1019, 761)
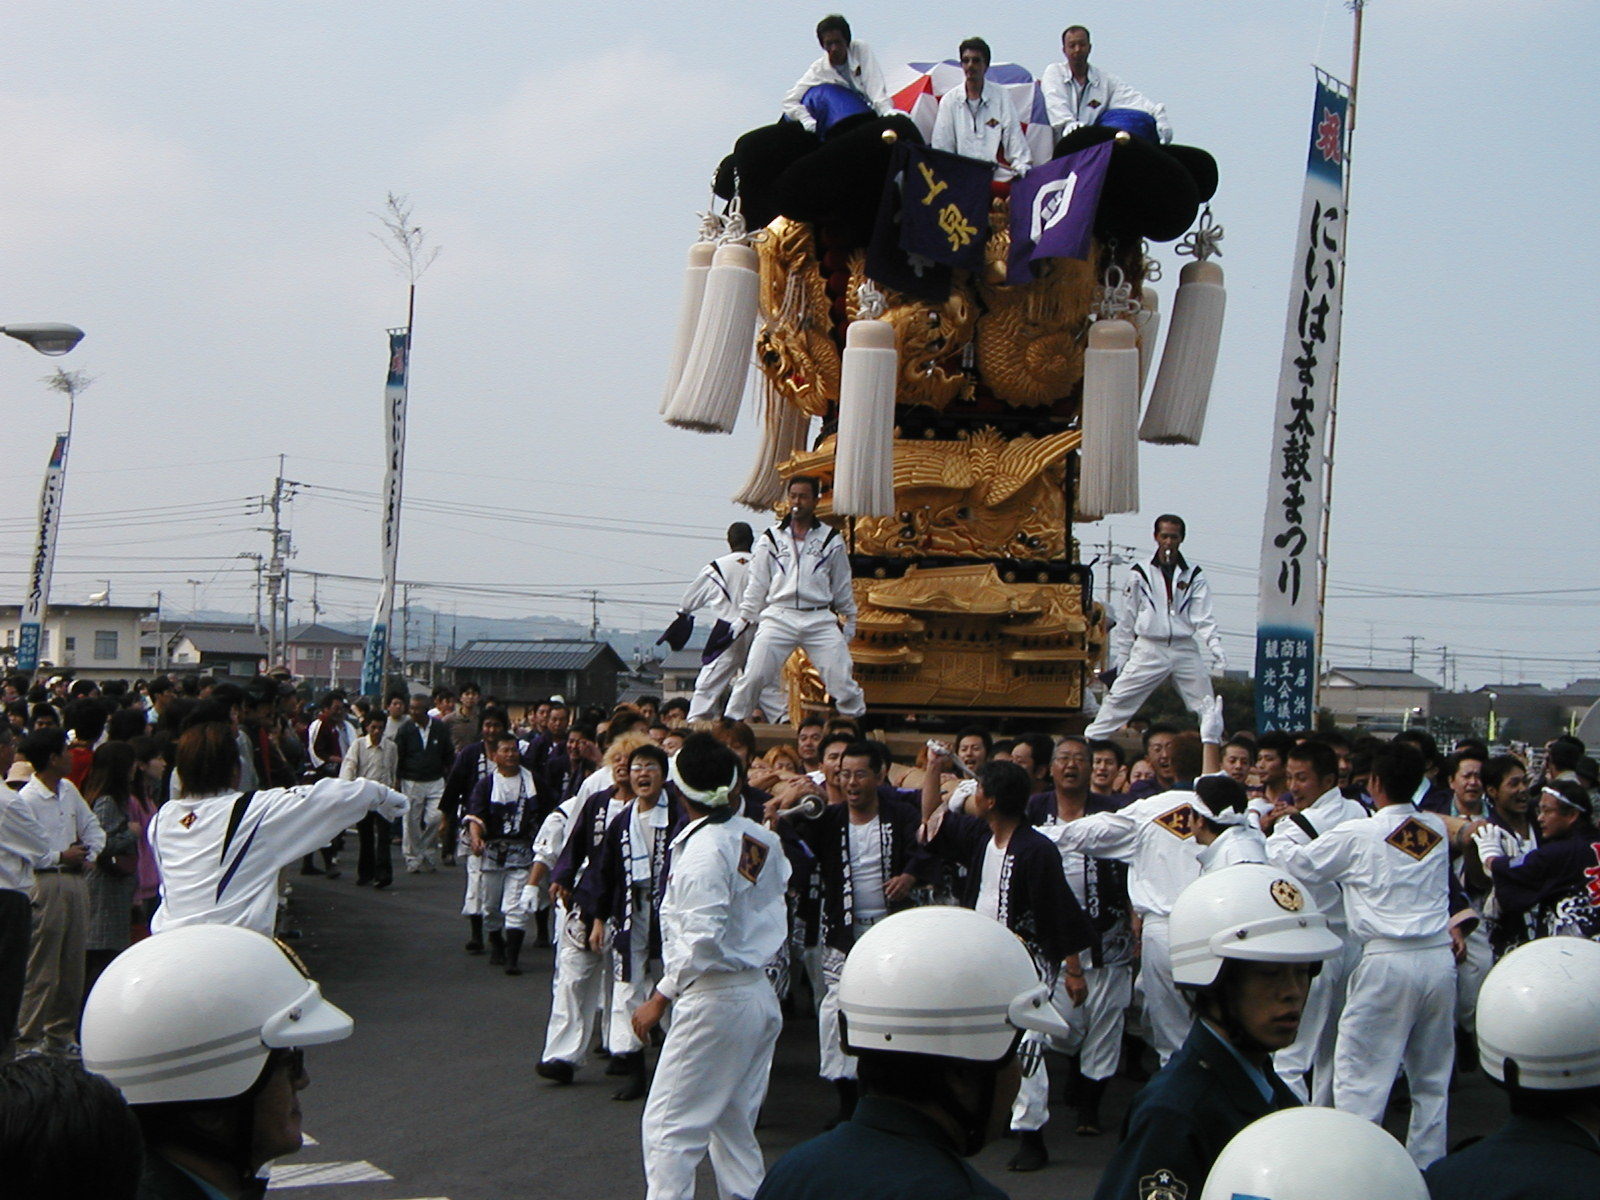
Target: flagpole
point(1358, 7)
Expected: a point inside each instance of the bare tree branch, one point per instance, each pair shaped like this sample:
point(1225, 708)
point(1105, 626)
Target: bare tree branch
point(68, 383)
point(405, 243)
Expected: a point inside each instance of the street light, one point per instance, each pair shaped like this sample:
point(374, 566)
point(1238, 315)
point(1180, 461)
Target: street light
point(1493, 696)
point(47, 337)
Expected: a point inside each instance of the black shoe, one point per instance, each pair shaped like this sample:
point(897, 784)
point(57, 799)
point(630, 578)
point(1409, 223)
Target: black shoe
point(333, 871)
point(556, 1070)
point(497, 949)
point(360, 882)
point(475, 943)
point(1031, 1154)
point(380, 884)
point(635, 1088)
point(620, 1064)
point(310, 868)
point(514, 950)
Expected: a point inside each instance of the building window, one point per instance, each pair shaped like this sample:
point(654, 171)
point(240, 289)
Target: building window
point(105, 645)
point(314, 652)
point(72, 644)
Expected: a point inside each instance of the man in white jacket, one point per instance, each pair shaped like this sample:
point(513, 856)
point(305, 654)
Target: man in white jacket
point(220, 850)
point(846, 64)
point(718, 589)
point(1077, 94)
point(1165, 615)
point(799, 589)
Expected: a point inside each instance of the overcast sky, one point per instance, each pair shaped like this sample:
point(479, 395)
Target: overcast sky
point(194, 183)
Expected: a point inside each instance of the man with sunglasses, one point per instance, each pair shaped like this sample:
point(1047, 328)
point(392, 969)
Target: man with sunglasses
point(202, 1029)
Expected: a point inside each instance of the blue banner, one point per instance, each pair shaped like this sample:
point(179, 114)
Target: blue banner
point(375, 661)
point(1053, 208)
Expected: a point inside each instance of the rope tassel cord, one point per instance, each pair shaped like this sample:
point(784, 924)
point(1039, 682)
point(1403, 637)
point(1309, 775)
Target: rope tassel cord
point(714, 371)
point(783, 435)
point(1109, 457)
point(1148, 323)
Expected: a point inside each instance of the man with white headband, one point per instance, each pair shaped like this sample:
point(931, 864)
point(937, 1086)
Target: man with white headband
point(1558, 881)
point(723, 918)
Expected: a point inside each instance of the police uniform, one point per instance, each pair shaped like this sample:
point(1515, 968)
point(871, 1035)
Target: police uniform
point(1180, 1121)
point(1155, 837)
point(794, 589)
point(719, 588)
point(723, 919)
point(886, 1151)
point(1394, 868)
point(1307, 1065)
point(1527, 1158)
point(1161, 617)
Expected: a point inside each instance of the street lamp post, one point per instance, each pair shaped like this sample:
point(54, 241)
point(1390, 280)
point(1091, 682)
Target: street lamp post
point(51, 339)
point(1493, 725)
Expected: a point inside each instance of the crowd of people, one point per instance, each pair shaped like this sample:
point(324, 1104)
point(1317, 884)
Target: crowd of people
point(179, 803)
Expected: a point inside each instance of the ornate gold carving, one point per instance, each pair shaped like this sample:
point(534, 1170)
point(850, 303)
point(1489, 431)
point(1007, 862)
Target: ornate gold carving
point(930, 338)
point(1030, 339)
point(795, 346)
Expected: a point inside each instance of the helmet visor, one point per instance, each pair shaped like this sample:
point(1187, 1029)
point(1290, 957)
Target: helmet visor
point(309, 1021)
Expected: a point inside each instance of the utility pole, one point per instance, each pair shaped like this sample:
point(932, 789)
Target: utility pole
point(594, 615)
point(161, 646)
point(433, 652)
point(1444, 666)
point(405, 627)
point(276, 573)
point(1413, 639)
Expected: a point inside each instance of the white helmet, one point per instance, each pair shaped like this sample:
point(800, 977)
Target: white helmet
point(1314, 1154)
point(1539, 1016)
point(191, 1014)
point(1249, 911)
point(944, 981)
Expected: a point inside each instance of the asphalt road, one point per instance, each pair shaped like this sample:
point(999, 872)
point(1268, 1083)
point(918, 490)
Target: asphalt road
point(435, 1095)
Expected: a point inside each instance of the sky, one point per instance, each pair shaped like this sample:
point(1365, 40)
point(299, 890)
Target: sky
point(194, 184)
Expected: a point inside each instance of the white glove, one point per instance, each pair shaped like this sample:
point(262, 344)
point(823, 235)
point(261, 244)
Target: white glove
point(1211, 721)
point(738, 627)
point(1219, 660)
point(848, 629)
point(1492, 842)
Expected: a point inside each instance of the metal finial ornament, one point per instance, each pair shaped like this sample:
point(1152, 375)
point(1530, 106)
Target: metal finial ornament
point(1115, 297)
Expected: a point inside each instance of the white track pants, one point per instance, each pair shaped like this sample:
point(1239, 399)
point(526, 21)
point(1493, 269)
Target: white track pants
point(717, 676)
point(419, 831)
point(1469, 976)
point(504, 898)
point(1399, 1011)
point(1097, 1023)
point(708, 1088)
point(1166, 1012)
point(629, 994)
point(576, 992)
point(781, 632)
point(1150, 663)
point(1311, 1054)
point(836, 1064)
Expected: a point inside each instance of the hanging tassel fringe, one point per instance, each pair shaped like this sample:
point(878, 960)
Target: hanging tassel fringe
point(714, 371)
point(863, 464)
point(783, 435)
point(1108, 481)
point(1177, 412)
point(1147, 321)
point(694, 290)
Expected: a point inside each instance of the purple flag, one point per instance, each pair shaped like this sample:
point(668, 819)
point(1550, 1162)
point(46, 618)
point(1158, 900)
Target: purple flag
point(1053, 207)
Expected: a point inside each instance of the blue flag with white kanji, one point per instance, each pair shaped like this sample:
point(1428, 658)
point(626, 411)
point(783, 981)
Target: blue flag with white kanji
point(944, 206)
point(1053, 208)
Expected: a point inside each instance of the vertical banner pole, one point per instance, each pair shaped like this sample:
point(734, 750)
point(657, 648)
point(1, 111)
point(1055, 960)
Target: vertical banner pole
point(44, 559)
point(375, 662)
point(1288, 614)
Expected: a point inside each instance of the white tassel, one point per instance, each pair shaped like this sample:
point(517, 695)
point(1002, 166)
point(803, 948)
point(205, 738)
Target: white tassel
point(1108, 481)
point(714, 371)
point(1148, 322)
point(783, 435)
point(694, 290)
point(863, 462)
point(1177, 411)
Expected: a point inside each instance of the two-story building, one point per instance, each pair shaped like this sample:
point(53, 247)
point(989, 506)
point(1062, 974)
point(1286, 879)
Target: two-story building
point(87, 641)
